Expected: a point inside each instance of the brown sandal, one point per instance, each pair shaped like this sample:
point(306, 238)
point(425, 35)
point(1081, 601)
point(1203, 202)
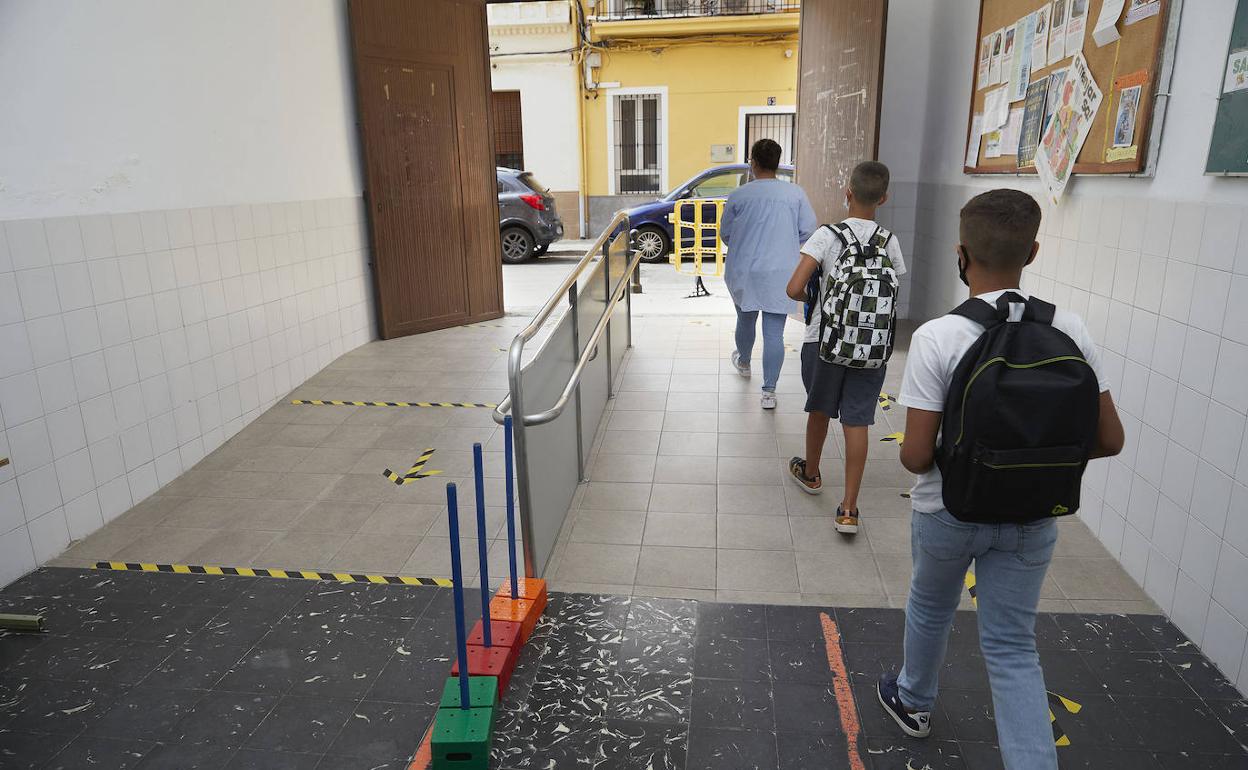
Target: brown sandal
point(811, 485)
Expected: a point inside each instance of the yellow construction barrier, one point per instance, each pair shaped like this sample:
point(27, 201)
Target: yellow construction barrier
point(691, 231)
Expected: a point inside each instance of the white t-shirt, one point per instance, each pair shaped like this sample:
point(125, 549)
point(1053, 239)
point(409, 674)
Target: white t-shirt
point(935, 351)
point(826, 247)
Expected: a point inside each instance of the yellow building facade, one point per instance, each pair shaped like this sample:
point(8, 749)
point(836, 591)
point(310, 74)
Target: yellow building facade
point(666, 97)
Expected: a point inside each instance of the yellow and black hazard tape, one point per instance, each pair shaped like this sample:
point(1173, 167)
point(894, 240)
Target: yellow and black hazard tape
point(412, 404)
point(415, 472)
point(970, 588)
point(899, 437)
point(886, 401)
point(1056, 701)
point(289, 574)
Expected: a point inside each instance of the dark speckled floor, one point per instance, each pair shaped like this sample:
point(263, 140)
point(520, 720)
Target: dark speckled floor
point(166, 671)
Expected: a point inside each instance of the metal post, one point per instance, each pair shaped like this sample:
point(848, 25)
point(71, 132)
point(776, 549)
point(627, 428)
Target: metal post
point(511, 507)
point(628, 298)
point(514, 381)
point(457, 591)
point(576, 354)
point(606, 277)
point(483, 544)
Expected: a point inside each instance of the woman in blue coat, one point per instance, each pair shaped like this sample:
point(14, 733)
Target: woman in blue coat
point(764, 225)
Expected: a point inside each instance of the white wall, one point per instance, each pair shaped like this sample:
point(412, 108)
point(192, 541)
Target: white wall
point(1157, 267)
point(128, 105)
point(181, 242)
point(526, 34)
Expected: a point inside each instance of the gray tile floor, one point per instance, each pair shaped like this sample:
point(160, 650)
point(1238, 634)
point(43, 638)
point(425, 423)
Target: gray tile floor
point(686, 495)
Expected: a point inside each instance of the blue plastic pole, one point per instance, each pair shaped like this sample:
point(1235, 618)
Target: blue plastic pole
point(511, 507)
point(483, 545)
point(457, 591)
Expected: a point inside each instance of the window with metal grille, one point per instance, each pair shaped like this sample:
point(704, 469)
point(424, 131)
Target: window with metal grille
point(778, 126)
point(638, 144)
point(508, 130)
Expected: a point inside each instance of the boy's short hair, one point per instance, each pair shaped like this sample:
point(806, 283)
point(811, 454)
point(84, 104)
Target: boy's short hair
point(869, 182)
point(766, 153)
point(999, 227)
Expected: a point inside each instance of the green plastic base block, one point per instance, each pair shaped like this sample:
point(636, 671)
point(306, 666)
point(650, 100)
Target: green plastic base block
point(461, 738)
point(482, 691)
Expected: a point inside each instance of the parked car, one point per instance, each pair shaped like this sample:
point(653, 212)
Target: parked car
point(527, 220)
point(650, 220)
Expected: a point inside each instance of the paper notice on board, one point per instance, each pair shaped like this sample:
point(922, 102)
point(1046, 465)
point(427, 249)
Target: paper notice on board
point(1236, 72)
point(1057, 30)
point(985, 63)
point(1033, 121)
point(1125, 109)
point(1020, 75)
point(1012, 132)
point(1078, 101)
point(1076, 26)
point(1056, 79)
point(994, 66)
point(992, 148)
point(972, 143)
point(1106, 29)
point(1008, 49)
point(996, 109)
point(1040, 45)
point(1139, 10)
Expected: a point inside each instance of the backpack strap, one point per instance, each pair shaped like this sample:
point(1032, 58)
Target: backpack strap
point(989, 316)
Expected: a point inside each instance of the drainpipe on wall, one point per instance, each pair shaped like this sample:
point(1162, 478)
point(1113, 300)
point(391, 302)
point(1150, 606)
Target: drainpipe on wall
point(578, 60)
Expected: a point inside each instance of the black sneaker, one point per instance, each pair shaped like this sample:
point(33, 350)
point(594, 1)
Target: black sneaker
point(917, 724)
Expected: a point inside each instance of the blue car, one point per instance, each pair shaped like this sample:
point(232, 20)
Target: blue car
point(650, 220)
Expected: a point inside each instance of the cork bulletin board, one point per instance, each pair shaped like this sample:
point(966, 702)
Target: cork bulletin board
point(1142, 56)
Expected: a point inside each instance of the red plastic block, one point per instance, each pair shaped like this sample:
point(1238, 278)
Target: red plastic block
point(490, 661)
point(521, 611)
point(503, 633)
point(533, 589)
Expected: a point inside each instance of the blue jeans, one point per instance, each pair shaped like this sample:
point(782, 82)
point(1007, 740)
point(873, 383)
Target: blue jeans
point(1010, 564)
point(773, 342)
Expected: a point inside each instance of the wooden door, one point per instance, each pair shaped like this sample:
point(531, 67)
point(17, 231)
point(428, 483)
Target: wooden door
point(423, 102)
point(838, 102)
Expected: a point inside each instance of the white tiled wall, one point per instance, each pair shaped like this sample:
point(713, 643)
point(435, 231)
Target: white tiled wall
point(131, 345)
point(1163, 287)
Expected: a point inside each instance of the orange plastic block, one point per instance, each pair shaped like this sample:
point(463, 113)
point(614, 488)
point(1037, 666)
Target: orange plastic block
point(533, 589)
point(490, 661)
point(503, 633)
point(522, 611)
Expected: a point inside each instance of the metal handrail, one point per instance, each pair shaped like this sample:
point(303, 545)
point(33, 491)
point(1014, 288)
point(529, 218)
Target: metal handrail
point(515, 351)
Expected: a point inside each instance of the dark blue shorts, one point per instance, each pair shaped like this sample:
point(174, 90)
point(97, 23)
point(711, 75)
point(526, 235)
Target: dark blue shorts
point(839, 391)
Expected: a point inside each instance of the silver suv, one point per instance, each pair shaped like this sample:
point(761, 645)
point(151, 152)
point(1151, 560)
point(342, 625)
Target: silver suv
point(527, 219)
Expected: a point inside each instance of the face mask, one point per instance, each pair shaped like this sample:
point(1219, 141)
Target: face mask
point(962, 267)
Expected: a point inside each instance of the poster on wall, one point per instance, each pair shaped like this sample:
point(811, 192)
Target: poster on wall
point(1078, 101)
point(1139, 10)
point(996, 109)
point(992, 147)
point(1020, 75)
point(994, 67)
point(1125, 108)
point(1056, 79)
point(985, 63)
point(1040, 45)
point(1007, 54)
point(1033, 121)
point(1236, 72)
point(1057, 30)
point(1076, 26)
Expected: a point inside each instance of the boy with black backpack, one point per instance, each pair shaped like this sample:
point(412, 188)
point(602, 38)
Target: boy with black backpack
point(1006, 405)
point(847, 278)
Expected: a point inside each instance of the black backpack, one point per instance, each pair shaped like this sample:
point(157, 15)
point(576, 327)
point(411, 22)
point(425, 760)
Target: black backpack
point(1020, 420)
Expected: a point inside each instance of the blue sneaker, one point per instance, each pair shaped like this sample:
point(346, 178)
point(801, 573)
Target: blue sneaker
point(916, 724)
